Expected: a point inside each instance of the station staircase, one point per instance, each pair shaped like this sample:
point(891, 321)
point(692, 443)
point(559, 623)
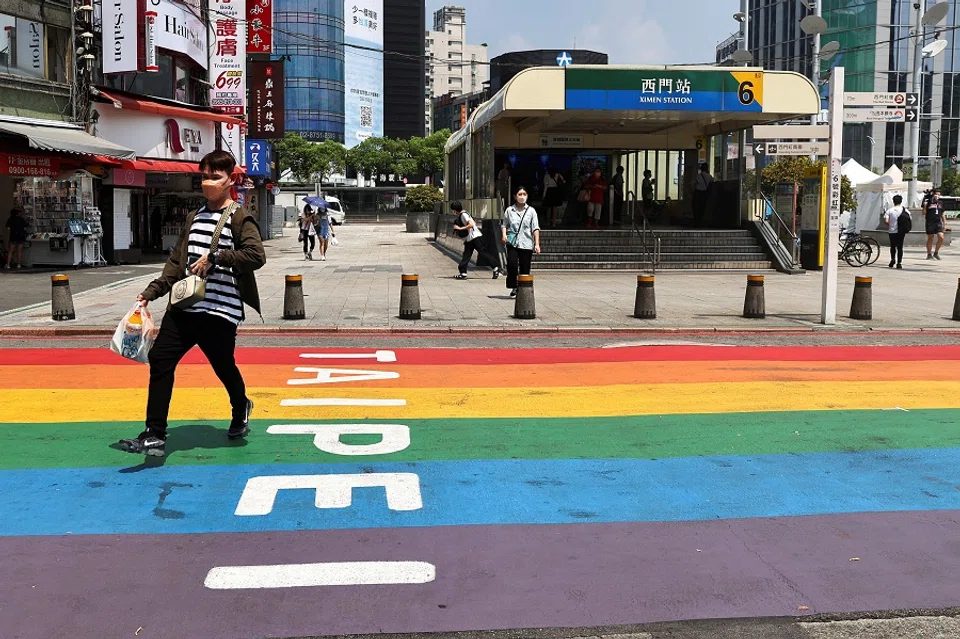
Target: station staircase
point(624, 250)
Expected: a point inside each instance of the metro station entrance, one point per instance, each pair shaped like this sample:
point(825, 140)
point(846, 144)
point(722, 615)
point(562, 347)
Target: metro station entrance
point(550, 128)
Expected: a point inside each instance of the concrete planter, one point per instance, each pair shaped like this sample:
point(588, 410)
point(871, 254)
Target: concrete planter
point(419, 222)
point(914, 238)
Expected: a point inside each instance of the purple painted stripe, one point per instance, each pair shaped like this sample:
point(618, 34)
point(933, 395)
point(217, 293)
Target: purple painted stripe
point(488, 577)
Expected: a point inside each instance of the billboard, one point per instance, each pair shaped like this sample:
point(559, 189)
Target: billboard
point(180, 28)
point(265, 116)
point(228, 58)
point(120, 37)
point(363, 70)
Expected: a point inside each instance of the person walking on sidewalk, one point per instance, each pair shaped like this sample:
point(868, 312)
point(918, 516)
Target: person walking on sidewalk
point(322, 218)
point(471, 242)
point(898, 222)
point(308, 231)
point(598, 191)
point(18, 237)
point(212, 322)
point(521, 235)
point(702, 188)
point(935, 222)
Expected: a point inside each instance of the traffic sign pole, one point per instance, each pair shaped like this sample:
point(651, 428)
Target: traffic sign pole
point(828, 306)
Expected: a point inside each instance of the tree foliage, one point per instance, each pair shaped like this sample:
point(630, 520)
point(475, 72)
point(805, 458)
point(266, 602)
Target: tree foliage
point(311, 162)
point(792, 169)
point(423, 198)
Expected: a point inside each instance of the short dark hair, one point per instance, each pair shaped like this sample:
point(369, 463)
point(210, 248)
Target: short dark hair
point(456, 206)
point(897, 199)
point(518, 189)
point(217, 161)
point(647, 172)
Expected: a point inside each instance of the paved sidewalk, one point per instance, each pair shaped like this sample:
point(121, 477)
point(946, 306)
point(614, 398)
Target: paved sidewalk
point(360, 287)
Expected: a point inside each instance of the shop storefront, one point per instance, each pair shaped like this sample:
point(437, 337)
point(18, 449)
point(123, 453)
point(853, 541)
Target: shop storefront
point(47, 171)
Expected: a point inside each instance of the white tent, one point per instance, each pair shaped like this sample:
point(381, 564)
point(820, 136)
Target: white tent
point(873, 198)
point(857, 173)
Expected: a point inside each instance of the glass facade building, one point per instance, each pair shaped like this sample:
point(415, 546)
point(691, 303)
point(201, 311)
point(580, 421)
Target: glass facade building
point(311, 33)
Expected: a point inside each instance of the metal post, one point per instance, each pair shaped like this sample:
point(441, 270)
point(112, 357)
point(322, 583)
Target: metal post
point(828, 306)
point(745, 26)
point(918, 89)
point(815, 71)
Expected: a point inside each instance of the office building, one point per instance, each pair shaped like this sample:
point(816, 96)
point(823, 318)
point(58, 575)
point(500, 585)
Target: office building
point(404, 68)
point(452, 112)
point(504, 67)
point(454, 67)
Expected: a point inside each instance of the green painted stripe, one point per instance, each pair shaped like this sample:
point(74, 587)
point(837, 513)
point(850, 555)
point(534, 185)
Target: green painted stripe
point(632, 79)
point(647, 437)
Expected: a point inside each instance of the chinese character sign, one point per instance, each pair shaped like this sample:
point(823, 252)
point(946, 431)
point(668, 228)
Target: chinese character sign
point(228, 57)
point(259, 26)
point(259, 158)
point(265, 118)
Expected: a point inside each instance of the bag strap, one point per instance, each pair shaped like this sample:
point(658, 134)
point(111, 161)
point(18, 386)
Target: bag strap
point(226, 215)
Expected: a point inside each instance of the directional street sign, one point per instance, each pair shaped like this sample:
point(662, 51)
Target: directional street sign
point(879, 115)
point(792, 148)
point(881, 99)
point(791, 132)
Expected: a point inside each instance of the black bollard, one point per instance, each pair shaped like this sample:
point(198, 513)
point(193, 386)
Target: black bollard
point(61, 300)
point(861, 308)
point(754, 305)
point(645, 306)
point(293, 306)
point(956, 303)
point(410, 297)
point(526, 306)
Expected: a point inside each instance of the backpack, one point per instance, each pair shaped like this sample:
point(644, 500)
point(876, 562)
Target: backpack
point(904, 221)
point(461, 220)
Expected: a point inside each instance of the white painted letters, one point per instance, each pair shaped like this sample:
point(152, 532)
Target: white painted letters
point(332, 491)
point(343, 401)
point(340, 375)
point(351, 573)
point(394, 437)
point(380, 356)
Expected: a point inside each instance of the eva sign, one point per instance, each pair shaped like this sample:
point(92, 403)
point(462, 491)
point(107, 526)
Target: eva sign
point(228, 57)
point(120, 38)
point(155, 136)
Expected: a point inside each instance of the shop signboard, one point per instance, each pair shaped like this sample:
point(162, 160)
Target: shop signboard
point(127, 178)
point(150, 42)
point(120, 36)
point(260, 26)
point(228, 57)
point(363, 70)
point(31, 49)
point(259, 158)
point(265, 117)
point(638, 89)
point(158, 136)
point(231, 141)
point(180, 28)
point(17, 165)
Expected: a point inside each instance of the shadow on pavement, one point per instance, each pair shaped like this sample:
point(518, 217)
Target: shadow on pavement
point(185, 438)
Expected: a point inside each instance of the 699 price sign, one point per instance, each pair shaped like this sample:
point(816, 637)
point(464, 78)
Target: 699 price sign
point(228, 37)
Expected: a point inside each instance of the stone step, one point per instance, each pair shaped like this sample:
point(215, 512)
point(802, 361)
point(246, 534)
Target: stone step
point(757, 265)
point(664, 257)
point(663, 235)
point(620, 247)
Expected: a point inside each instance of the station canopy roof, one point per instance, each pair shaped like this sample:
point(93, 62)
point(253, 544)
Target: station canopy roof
point(678, 102)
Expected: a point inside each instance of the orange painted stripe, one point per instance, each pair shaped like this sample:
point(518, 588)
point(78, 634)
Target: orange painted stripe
point(499, 376)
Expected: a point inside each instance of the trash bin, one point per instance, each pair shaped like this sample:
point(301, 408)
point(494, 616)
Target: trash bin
point(810, 250)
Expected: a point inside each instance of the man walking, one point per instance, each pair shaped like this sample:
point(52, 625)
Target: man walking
point(701, 194)
point(210, 323)
point(935, 223)
point(898, 222)
point(471, 241)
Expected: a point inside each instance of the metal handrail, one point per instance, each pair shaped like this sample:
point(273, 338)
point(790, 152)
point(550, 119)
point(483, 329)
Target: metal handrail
point(630, 198)
point(782, 228)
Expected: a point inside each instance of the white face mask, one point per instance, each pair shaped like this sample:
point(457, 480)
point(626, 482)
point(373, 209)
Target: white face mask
point(521, 199)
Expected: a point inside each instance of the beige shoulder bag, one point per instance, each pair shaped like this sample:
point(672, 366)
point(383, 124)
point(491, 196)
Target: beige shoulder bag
point(193, 288)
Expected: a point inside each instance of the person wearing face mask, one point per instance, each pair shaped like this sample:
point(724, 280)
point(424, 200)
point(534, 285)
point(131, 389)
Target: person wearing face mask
point(212, 322)
point(935, 223)
point(521, 235)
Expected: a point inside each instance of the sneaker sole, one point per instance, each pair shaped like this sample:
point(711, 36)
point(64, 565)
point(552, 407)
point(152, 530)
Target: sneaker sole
point(240, 434)
point(246, 429)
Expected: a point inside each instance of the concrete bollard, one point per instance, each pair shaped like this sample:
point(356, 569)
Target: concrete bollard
point(61, 300)
point(956, 303)
point(861, 308)
point(410, 297)
point(754, 306)
point(526, 306)
point(645, 306)
point(293, 306)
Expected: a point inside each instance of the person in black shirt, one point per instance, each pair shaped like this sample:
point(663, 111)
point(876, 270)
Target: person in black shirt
point(18, 237)
point(935, 223)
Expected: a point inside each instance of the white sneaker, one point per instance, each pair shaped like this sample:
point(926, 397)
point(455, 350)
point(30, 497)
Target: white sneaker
point(323, 258)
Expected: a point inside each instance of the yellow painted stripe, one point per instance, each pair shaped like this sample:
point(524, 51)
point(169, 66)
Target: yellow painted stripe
point(39, 406)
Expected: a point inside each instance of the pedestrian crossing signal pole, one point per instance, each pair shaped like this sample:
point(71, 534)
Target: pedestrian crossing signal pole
point(828, 307)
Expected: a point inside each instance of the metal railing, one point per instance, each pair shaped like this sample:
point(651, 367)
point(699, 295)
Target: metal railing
point(649, 241)
point(783, 236)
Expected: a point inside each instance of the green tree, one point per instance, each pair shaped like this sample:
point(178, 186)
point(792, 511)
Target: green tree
point(428, 152)
point(371, 157)
point(951, 182)
point(423, 198)
point(792, 169)
point(310, 162)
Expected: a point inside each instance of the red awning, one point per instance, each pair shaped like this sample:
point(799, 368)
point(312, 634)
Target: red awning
point(151, 166)
point(147, 106)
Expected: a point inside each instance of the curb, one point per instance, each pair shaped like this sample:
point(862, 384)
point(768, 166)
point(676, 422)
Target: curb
point(492, 331)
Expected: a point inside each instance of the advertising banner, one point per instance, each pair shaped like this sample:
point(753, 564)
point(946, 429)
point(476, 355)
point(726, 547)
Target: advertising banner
point(259, 157)
point(180, 28)
point(31, 49)
point(363, 70)
point(120, 39)
point(265, 118)
point(231, 141)
point(228, 57)
point(259, 26)
point(28, 165)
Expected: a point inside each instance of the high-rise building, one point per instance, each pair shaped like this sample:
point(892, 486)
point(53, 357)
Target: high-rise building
point(454, 67)
point(404, 68)
point(877, 52)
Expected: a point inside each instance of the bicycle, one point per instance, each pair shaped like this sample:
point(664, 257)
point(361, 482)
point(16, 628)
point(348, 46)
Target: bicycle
point(855, 251)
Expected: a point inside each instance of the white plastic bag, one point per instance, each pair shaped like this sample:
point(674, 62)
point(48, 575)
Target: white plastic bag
point(334, 241)
point(131, 341)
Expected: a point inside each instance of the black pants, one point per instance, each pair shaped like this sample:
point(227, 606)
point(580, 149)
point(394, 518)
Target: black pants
point(699, 207)
point(477, 245)
point(179, 332)
point(518, 263)
point(312, 240)
point(896, 247)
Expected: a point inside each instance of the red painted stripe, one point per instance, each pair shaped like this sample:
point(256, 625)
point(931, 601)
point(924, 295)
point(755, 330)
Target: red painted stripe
point(481, 356)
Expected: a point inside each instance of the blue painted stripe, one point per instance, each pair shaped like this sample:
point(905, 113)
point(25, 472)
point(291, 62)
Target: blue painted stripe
point(198, 499)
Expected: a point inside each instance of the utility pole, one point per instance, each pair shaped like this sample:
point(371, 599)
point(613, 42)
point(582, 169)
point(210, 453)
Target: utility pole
point(918, 5)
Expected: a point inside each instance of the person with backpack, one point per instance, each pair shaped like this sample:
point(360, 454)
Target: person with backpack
point(468, 230)
point(898, 222)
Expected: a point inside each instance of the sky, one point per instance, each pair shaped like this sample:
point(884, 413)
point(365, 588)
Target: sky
point(630, 31)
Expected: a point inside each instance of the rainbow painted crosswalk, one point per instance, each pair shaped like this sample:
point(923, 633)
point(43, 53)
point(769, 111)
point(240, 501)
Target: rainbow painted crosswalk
point(446, 489)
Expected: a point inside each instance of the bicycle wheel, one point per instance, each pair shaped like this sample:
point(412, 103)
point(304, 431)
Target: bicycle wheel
point(875, 249)
point(860, 254)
